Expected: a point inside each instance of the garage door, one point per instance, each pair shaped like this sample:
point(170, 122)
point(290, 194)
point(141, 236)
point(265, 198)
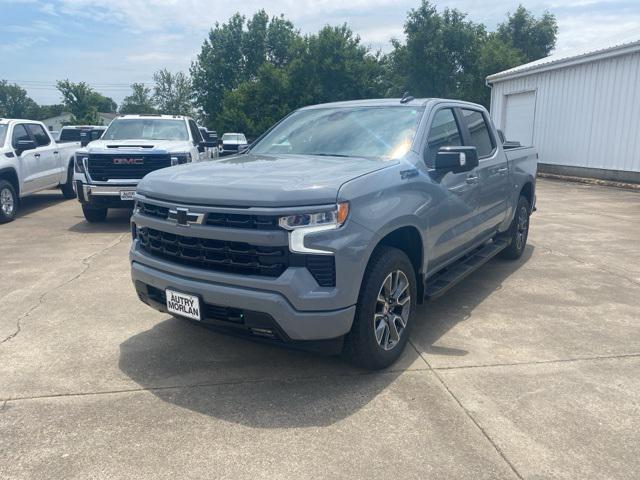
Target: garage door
point(519, 115)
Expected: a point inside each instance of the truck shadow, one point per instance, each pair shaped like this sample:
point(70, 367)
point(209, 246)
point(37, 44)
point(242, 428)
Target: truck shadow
point(39, 201)
point(117, 222)
point(265, 386)
point(436, 318)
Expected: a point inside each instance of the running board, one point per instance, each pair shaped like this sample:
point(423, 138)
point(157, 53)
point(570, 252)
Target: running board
point(450, 276)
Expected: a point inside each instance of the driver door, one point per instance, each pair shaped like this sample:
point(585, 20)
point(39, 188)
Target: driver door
point(28, 163)
point(453, 219)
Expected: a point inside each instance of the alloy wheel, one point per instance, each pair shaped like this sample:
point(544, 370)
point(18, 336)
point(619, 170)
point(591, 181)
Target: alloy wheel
point(522, 227)
point(7, 202)
point(392, 310)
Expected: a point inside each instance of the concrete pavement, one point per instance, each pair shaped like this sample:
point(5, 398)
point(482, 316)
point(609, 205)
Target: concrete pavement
point(526, 370)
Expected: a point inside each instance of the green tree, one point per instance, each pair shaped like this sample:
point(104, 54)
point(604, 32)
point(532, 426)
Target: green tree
point(15, 103)
point(440, 56)
point(535, 38)
point(48, 111)
point(139, 102)
point(234, 52)
point(172, 93)
point(84, 103)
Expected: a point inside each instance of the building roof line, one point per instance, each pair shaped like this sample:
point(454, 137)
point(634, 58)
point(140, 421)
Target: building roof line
point(557, 61)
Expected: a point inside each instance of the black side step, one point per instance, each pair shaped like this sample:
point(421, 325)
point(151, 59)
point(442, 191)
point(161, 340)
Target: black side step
point(450, 276)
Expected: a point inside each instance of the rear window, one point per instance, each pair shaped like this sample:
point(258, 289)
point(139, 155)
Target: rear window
point(70, 135)
point(479, 130)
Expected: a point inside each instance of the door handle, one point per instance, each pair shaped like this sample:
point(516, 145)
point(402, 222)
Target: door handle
point(37, 155)
point(472, 179)
point(502, 170)
point(56, 152)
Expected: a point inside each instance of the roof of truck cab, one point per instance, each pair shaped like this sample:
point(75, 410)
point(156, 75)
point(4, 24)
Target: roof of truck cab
point(167, 117)
point(387, 102)
point(8, 120)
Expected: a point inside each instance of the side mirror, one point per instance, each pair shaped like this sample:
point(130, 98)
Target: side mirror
point(243, 148)
point(24, 145)
point(456, 159)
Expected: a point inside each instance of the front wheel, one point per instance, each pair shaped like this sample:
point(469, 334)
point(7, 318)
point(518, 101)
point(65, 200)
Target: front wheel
point(94, 215)
point(518, 231)
point(8, 202)
point(67, 189)
point(384, 310)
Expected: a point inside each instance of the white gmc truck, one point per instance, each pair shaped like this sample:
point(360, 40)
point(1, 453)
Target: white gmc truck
point(30, 161)
point(108, 170)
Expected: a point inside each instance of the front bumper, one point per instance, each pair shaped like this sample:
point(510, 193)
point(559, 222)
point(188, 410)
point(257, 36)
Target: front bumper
point(103, 195)
point(260, 312)
point(301, 308)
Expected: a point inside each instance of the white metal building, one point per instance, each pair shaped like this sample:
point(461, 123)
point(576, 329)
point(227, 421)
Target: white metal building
point(581, 110)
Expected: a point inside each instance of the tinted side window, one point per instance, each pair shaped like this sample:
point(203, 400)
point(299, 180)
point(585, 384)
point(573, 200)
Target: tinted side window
point(19, 133)
point(195, 133)
point(444, 132)
point(479, 131)
point(39, 135)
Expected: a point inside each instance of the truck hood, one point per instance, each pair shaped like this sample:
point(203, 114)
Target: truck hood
point(258, 180)
point(170, 146)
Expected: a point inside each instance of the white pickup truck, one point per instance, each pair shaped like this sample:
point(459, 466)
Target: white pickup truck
point(30, 161)
point(108, 170)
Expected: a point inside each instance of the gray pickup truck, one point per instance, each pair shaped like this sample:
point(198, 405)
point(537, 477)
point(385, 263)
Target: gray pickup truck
point(334, 224)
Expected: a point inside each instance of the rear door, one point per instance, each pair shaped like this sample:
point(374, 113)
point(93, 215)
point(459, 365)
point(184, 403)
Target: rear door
point(49, 166)
point(453, 224)
point(492, 171)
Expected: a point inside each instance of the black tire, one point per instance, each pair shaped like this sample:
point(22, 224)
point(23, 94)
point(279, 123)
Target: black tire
point(518, 231)
point(94, 215)
point(8, 202)
point(67, 189)
point(362, 346)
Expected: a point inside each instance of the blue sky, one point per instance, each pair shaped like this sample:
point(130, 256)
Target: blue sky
point(113, 43)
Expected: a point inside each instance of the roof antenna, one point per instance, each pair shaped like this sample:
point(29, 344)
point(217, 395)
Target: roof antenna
point(406, 98)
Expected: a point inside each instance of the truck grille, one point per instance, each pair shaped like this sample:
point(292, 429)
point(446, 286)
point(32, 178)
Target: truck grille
point(214, 219)
point(124, 166)
point(232, 257)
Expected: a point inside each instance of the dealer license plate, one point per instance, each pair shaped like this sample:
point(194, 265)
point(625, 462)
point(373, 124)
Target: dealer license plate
point(127, 194)
point(183, 305)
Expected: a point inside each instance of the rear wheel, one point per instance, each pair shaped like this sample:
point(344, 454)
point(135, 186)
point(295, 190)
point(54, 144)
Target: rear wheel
point(94, 215)
point(8, 202)
point(67, 188)
point(384, 310)
point(518, 231)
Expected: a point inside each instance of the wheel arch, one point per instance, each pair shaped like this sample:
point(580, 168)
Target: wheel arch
point(527, 191)
point(409, 240)
point(10, 175)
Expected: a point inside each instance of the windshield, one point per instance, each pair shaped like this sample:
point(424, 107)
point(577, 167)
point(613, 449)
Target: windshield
point(3, 133)
point(379, 132)
point(146, 129)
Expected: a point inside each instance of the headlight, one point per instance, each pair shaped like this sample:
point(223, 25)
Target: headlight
point(80, 163)
point(334, 217)
point(300, 226)
point(180, 158)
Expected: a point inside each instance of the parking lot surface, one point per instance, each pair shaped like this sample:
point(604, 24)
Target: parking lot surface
point(527, 369)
